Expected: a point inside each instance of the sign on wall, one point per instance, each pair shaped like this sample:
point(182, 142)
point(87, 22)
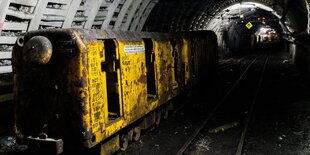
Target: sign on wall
point(249, 25)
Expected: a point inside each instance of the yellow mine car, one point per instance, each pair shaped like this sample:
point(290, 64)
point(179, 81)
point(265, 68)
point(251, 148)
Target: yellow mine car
point(78, 89)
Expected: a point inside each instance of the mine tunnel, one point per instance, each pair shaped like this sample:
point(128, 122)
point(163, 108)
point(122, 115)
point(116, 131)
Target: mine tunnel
point(154, 77)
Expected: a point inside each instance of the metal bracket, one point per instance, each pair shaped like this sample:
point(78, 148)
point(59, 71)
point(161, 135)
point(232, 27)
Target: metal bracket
point(44, 145)
point(67, 46)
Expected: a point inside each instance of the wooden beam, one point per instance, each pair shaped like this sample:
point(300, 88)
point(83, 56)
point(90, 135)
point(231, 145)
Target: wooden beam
point(19, 14)
point(111, 11)
point(60, 1)
point(93, 7)
point(59, 12)
point(145, 15)
point(52, 23)
point(6, 97)
point(7, 40)
point(4, 84)
point(53, 18)
point(138, 15)
point(121, 14)
point(5, 69)
point(5, 55)
point(131, 14)
point(27, 2)
point(15, 26)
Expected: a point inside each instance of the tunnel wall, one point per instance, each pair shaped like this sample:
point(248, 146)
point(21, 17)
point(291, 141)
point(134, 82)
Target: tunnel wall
point(301, 53)
point(298, 19)
point(186, 15)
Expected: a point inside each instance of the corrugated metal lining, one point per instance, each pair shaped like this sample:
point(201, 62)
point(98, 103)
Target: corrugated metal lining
point(186, 15)
point(18, 16)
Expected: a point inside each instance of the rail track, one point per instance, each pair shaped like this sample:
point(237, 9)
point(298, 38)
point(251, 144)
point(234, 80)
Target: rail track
point(221, 103)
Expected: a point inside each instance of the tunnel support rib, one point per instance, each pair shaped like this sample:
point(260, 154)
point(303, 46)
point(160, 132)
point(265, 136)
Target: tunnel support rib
point(131, 12)
point(146, 13)
point(122, 14)
point(138, 15)
point(111, 11)
point(308, 9)
point(92, 12)
point(71, 13)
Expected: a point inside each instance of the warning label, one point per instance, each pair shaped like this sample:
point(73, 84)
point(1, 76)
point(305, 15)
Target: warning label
point(249, 25)
point(134, 49)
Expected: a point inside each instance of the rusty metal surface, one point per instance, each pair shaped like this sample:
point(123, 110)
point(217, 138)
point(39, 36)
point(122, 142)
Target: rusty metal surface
point(47, 97)
point(67, 97)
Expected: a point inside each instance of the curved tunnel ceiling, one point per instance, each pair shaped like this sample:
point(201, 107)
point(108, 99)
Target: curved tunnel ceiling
point(185, 15)
point(168, 15)
point(17, 16)
point(240, 14)
point(230, 26)
point(97, 14)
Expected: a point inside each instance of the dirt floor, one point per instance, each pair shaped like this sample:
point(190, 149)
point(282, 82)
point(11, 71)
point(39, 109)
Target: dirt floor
point(280, 123)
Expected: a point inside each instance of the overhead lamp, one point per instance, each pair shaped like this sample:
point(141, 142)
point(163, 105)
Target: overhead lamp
point(263, 30)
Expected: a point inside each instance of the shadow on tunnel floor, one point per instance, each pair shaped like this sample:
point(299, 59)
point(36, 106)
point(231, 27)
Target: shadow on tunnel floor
point(280, 123)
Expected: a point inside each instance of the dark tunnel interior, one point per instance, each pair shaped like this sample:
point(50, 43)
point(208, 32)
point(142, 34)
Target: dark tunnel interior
point(273, 23)
point(275, 34)
point(254, 100)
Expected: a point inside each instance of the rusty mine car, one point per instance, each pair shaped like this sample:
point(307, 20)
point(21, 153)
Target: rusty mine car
point(87, 90)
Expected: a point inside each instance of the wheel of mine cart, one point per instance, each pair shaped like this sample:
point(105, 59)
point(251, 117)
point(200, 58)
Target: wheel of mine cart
point(158, 117)
point(165, 112)
point(124, 141)
point(136, 133)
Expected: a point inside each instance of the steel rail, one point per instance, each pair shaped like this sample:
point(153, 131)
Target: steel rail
point(247, 121)
point(220, 103)
point(229, 64)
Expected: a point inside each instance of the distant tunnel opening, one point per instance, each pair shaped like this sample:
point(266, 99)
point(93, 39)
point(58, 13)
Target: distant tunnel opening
point(247, 28)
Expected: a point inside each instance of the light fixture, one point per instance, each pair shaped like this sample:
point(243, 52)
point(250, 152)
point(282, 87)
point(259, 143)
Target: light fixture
point(263, 30)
